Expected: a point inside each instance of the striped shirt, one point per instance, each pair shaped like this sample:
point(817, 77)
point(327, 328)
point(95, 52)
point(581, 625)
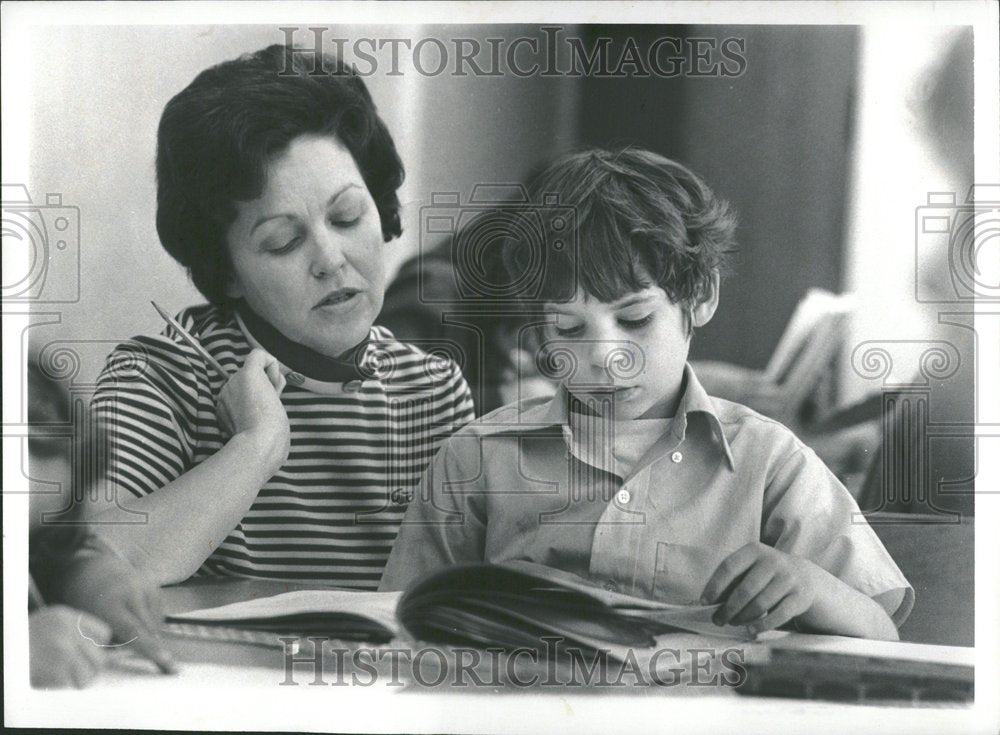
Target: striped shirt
point(332, 511)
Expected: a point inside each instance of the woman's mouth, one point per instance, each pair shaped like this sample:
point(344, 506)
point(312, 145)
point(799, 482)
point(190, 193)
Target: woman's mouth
point(339, 299)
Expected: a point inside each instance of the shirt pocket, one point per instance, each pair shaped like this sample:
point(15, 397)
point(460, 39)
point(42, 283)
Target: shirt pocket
point(682, 571)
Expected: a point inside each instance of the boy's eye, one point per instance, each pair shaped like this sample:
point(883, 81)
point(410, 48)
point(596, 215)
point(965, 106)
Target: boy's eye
point(569, 331)
point(636, 323)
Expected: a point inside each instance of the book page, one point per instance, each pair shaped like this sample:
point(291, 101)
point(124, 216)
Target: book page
point(377, 606)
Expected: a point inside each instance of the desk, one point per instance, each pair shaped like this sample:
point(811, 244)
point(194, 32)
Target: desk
point(236, 686)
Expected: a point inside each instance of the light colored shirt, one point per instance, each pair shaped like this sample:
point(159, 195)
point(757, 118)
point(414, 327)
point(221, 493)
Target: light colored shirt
point(510, 486)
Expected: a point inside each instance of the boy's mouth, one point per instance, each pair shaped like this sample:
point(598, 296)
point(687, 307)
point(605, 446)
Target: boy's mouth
point(624, 392)
point(619, 392)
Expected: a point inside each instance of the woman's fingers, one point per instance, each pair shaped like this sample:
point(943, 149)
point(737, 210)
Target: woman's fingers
point(273, 370)
point(257, 359)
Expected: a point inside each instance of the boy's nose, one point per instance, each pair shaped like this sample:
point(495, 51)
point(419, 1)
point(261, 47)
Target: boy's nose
point(611, 359)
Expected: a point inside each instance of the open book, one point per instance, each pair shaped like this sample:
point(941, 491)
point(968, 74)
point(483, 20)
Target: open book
point(510, 606)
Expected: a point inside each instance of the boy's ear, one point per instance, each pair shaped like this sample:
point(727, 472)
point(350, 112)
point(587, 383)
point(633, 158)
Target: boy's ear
point(704, 310)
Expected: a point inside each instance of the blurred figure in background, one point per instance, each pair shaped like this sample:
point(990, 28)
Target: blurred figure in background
point(85, 600)
point(424, 304)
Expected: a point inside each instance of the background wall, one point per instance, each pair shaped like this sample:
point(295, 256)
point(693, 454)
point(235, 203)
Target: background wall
point(810, 143)
point(775, 142)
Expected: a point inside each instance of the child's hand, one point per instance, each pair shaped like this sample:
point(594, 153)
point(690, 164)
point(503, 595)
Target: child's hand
point(249, 403)
point(65, 647)
point(762, 586)
point(108, 586)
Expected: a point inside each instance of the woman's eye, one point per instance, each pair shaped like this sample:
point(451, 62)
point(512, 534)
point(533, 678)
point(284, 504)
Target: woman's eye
point(636, 323)
point(569, 331)
point(279, 249)
point(348, 217)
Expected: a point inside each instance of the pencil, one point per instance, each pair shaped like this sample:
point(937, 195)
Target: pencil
point(192, 341)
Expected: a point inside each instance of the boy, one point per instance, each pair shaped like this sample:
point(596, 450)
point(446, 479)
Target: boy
point(631, 474)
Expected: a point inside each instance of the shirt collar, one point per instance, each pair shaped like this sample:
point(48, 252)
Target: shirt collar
point(366, 366)
point(533, 415)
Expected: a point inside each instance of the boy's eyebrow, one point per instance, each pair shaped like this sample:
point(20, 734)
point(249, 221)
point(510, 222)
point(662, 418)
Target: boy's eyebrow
point(631, 300)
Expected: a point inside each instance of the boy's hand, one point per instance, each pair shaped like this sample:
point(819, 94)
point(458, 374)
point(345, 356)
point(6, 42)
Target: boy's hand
point(109, 587)
point(65, 647)
point(249, 404)
point(762, 586)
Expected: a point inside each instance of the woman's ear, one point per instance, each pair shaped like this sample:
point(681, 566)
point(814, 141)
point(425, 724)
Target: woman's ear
point(233, 289)
point(704, 310)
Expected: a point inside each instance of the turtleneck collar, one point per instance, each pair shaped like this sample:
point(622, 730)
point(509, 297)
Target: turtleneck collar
point(312, 364)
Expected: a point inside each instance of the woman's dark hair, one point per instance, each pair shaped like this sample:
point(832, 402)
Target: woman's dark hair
point(218, 135)
point(636, 215)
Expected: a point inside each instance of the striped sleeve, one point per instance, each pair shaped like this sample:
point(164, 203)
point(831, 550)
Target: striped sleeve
point(145, 404)
point(462, 407)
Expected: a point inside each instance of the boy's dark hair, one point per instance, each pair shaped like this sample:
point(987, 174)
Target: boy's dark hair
point(637, 213)
point(217, 136)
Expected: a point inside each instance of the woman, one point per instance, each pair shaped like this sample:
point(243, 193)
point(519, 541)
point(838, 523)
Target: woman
point(277, 191)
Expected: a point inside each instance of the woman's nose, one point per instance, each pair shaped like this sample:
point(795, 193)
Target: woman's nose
point(328, 254)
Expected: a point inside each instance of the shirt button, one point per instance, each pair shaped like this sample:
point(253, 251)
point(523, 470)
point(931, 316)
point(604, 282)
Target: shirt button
point(676, 457)
point(295, 378)
point(623, 496)
point(352, 386)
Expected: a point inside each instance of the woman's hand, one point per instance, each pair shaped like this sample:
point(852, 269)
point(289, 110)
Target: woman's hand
point(65, 647)
point(763, 587)
point(249, 405)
